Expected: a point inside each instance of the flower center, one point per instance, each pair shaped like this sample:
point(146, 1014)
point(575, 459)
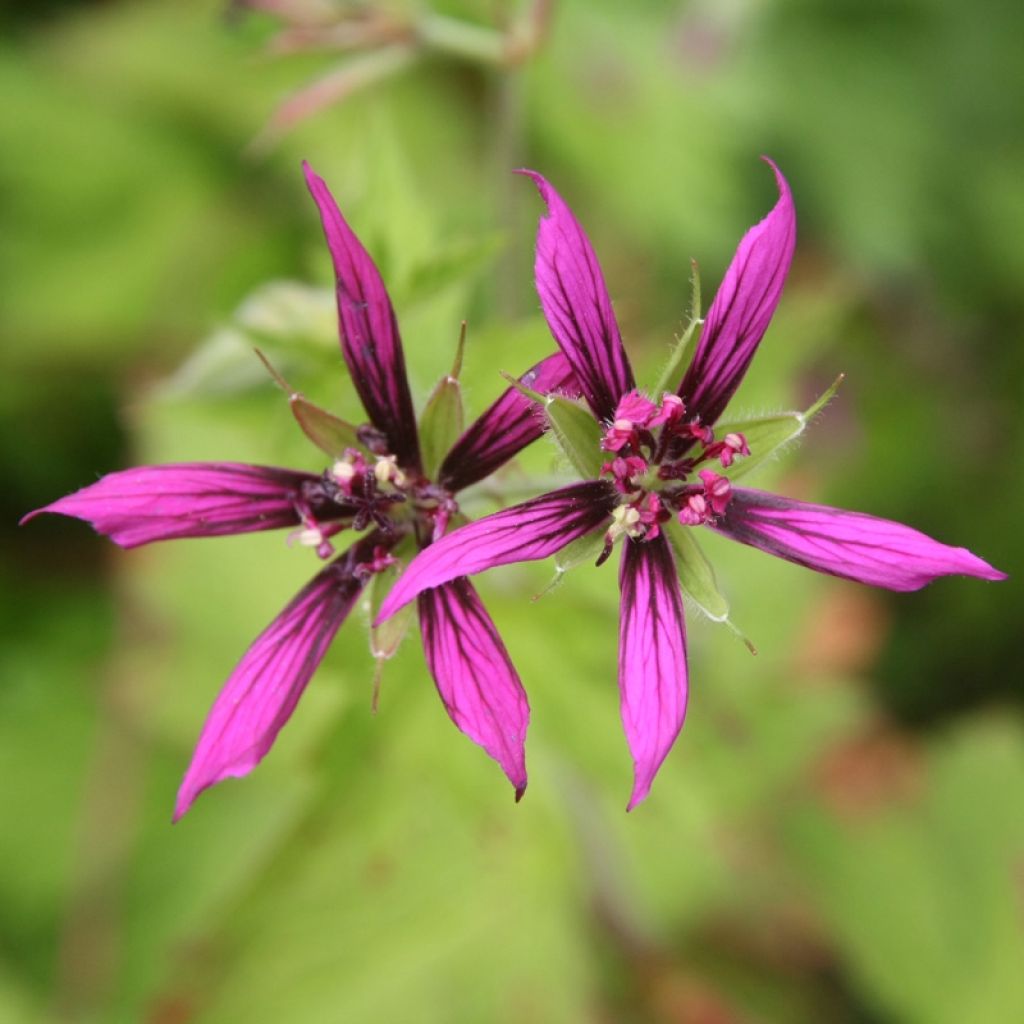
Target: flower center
point(658, 455)
point(359, 492)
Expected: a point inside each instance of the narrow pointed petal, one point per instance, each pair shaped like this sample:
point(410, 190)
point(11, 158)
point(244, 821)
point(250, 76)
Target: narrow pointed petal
point(742, 309)
point(652, 658)
point(191, 499)
point(475, 676)
point(576, 304)
point(260, 695)
point(848, 544)
point(507, 427)
point(370, 341)
point(522, 533)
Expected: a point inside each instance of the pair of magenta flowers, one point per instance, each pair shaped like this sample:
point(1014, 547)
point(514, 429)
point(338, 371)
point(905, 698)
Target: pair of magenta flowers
point(653, 467)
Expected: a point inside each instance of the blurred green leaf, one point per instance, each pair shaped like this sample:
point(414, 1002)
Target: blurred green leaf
point(923, 899)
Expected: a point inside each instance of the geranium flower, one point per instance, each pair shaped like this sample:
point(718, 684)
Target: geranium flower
point(377, 483)
point(649, 459)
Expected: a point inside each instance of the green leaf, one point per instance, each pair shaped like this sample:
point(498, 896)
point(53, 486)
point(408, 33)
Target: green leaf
point(443, 416)
point(452, 264)
point(697, 577)
point(681, 355)
point(294, 323)
point(768, 435)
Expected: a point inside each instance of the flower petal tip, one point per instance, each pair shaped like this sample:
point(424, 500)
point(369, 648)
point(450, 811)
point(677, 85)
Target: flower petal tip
point(542, 183)
point(520, 790)
point(186, 798)
point(193, 786)
point(29, 516)
point(983, 571)
point(780, 178)
point(310, 175)
point(639, 794)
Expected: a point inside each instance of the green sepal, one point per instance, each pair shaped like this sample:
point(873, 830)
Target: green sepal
point(443, 417)
point(768, 435)
point(573, 427)
point(582, 549)
point(386, 638)
point(697, 576)
point(328, 432)
point(577, 433)
point(686, 344)
point(331, 434)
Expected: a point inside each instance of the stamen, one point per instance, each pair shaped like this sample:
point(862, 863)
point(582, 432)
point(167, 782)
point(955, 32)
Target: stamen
point(632, 417)
point(624, 470)
point(349, 472)
point(717, 489)
point(695, 511)
point(386, 471)
point(672, 410)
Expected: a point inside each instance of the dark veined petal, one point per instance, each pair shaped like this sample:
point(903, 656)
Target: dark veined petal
point(475, 676)
point(507, 427)
point(742, 309)
point(522, 533)
point(260, 695)
point(370, 341)
point(576, 303)
point(848, 544)
point(652, 657)
point(188, 499)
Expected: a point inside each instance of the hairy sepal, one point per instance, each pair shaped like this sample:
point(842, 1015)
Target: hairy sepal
point(573, 428)
point(697, 577)
point(767, 436)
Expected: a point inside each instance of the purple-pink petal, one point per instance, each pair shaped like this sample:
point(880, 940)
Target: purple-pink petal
point(742, 309)
point(652, 657)
point(848, 544)
point(190, 499)
point(507, 427)
point(260, 695)
point(370, 341)
point(577, 306)
point(475, 676)
point(522, 533)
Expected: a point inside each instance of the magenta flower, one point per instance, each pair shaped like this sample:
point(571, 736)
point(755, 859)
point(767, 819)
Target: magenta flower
point(376, 483)
point(651, 479)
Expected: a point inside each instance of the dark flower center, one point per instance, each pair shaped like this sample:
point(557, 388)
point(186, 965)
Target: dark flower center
point(361, 491)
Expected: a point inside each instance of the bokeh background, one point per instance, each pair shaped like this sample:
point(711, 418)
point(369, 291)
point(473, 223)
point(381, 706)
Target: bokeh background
point(838, 835)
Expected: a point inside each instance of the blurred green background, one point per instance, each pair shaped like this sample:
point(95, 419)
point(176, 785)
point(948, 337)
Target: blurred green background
point(838, 835)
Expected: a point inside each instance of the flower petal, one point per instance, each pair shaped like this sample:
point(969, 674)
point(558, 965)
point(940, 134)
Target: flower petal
point(261, 693)
point(576, 303)
point(742, 309)
point(522, 533)
point(507, 427)
point(370, 341)
point(652, 658)
point(191, 499)
point(848, 544)
point(475, 676)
